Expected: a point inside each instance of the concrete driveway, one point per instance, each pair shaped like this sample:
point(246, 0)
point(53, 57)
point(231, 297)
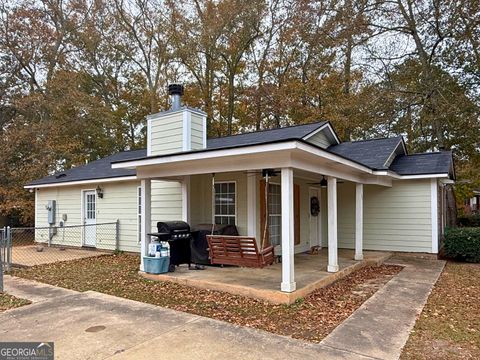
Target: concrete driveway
point(92, 325)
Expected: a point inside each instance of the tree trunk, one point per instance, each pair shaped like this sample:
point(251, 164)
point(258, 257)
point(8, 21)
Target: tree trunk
point(451, 211)
point(208, 93)
point(231, 100)
point(258, 103)
point(346, 86)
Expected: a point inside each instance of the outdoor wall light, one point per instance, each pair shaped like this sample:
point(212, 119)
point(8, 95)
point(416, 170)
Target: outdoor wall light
point(323, 183)
point(99, 192)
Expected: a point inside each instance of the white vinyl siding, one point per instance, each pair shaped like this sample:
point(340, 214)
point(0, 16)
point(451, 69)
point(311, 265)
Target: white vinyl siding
point(68, 201)
point(166, 202)
point(196, 131)
point(167, 134)
point(346, 214)
point(201, 203)
point(175, 132)
point(120, 201)
point(320, 139)
point(201, 198)
point(398, 218)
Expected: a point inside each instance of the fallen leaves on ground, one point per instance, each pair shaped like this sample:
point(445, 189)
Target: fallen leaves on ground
point(311, 318)
point(449, 326)
point(10, 302)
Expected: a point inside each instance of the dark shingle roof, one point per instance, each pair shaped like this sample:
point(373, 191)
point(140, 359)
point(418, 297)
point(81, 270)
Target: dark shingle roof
point(425, 163)
point(98, 169)
point(259, 137)
point(371, 153)
point(101, 169)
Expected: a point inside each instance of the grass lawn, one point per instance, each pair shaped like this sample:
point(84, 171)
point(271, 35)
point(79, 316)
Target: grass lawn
point(9, 302)
point(311, 319)
point(449, 326)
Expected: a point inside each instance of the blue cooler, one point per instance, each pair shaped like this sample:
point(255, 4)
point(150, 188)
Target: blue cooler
point(153, 265)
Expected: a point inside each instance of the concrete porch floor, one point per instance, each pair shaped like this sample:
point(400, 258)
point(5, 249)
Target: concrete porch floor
point(310, 274)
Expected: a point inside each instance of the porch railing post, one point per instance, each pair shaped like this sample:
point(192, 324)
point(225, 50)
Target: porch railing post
point(146, 191)
point(252, 205)
point(288, 267)
point(185, 184)
point(332, 225)
point(117, 235)
point(358, 221)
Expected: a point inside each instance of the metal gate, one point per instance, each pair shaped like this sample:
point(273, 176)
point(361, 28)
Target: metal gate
point(5, 253)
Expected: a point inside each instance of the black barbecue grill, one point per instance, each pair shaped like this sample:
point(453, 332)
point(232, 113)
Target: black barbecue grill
point(178, 235)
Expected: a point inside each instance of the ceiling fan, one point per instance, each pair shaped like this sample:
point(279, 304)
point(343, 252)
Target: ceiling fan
point(323, 183)
point(265, 172)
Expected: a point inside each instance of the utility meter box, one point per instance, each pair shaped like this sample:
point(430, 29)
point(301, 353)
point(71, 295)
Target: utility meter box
point(51, 208)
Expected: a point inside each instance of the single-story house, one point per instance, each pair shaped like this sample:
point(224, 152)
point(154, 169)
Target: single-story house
point(321, 191)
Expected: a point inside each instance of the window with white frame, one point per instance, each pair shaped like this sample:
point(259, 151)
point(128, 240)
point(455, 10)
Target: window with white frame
point(139, 214)
point(274, 214)
point(225, 203)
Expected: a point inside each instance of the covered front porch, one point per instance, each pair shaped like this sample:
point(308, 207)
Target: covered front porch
point(264, 284)
point(298, 168)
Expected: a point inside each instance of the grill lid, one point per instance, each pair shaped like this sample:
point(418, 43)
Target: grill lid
point(173, 227)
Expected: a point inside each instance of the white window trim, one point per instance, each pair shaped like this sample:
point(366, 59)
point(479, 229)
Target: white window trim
point(236, 200)
point(82, 213)
point(266, 205)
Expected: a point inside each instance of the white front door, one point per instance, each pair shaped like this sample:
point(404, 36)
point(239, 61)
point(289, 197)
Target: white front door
point(314, 197)
point(90, 218)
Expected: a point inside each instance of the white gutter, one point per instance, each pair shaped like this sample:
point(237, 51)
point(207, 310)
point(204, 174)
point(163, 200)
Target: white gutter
point(409, 177)
point(81, 182)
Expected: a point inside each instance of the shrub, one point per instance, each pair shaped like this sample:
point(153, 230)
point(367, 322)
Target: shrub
point(469, 220)
point(463, 244)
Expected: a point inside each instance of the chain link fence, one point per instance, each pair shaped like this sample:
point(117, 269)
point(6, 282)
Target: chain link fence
point(30, 246)
point(4, 253)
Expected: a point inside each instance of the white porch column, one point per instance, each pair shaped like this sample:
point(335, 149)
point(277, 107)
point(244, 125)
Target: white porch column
point(288, 275)
point(146, 225)
point(332, 224)
point(186, 199)
point(252, 205)
point(358, 221)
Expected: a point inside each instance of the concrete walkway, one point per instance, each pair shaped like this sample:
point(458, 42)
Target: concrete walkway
point(381, 326)
point(92, 325)
point(29, 256)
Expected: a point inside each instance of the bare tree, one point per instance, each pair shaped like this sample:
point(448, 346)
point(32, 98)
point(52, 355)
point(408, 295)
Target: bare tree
point(143, 40)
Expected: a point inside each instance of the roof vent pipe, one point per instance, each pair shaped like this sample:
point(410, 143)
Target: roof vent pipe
point(176, 92)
